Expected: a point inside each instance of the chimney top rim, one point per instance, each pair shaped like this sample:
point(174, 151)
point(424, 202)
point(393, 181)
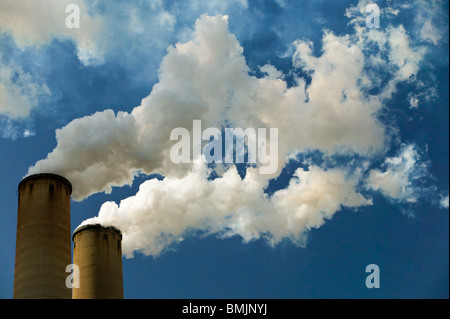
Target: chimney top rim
point(47, 175)
point(98, 226)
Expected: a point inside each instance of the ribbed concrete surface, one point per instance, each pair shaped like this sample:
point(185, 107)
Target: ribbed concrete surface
point(43, 238)
point(98, 253)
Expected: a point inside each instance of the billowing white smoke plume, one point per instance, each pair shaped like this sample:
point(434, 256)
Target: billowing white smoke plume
point(163, 212)
point(208, 79)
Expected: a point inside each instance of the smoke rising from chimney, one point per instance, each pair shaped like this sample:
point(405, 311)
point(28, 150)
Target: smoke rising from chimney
point(162, 213)
point(208, 78)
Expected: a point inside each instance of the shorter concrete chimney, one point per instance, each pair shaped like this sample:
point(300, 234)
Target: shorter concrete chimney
point(97, 251)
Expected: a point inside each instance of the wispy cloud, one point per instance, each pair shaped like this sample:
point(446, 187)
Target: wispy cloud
point(37, 23)
point(398, 176)
point(444, 202)
point(19, 92)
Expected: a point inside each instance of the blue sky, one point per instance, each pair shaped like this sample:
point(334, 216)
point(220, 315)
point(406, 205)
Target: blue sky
point(362, 118)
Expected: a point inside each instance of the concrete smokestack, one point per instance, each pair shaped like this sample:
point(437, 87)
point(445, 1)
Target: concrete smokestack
point(97, 251)
point(43, 238)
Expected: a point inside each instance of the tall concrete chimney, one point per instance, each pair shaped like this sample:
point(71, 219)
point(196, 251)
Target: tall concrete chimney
point(43, 248)
point(97, 251)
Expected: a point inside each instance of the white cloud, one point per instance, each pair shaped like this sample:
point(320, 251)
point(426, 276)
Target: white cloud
point(36, 23)
point(28, 133)
point(19, 92)
point(430, 33)
point(8, 129)
point(444, 202)
point(413, 100)
point(393, 41)
point(431, 21)
point(338, 110)
point(357, 14)
point(395, 55)
point(403, 55)
point(397, 181)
